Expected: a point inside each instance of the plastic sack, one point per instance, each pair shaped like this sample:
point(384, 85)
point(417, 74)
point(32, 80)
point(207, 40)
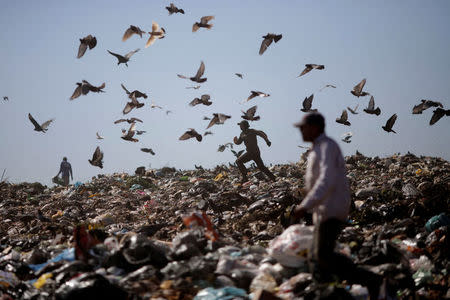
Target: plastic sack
point(436, 222)
point(221, 294)
point(291, 248)
point(8, 279)
point(201, 220)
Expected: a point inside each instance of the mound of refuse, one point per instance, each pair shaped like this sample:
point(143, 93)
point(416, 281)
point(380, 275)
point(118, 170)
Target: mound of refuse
point(200, 234)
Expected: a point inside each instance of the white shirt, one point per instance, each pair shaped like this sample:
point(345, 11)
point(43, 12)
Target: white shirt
point(326, 181)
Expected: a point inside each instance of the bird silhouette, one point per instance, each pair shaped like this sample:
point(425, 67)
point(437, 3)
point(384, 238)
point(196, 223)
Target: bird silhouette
point(223, 147)
point(309, 67)
point(197, 77)
point(156, 33)
point(88, 41)
point(268, 39)
point(254, 94)
point(353, 111)
point(130, 31)
point(250, 114)
point(237, 154)
point(239, 75)
point(132, 104)
point(129, 121)
point(196, 87)
point(389, 123)
point(98, 136)
point(97, 158)
point(85, 87)
point(135, 93)
point(371, 108)
point(148, 150)
point(128, 135)
point(139, 132)
point(123, 59)
point(173, 9)
point(204, 99)
point(307, 103)
point(207, 133)
point(343, 119)
point(218, 119)
point(425, 104)
point(42, 127)
point(191, 133)
point(438, 113)
point(358, 89)
point(327, 86)
point(346, 137)
point(203, 23)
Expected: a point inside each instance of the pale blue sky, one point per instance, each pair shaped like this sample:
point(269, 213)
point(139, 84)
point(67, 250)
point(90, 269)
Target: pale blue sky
point(401, 47)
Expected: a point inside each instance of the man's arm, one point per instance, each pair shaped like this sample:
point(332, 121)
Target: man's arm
point(70, 169)
point(237, 140)
point(60, 170)
point(264, 136)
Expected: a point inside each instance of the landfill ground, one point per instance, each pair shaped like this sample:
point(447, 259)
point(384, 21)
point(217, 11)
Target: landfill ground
point(147, 235)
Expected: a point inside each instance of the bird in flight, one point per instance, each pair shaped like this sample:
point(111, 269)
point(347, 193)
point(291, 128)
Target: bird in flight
point(343, 119)
point(42, 127)
point(237, 154)
point(139, 132)
point(207, 133)
point(132, 104)
point(203, 23)
point(218, 119)
point(389, 123)
point(97, 158)
point(309, 67)
point(85, 87)
point(5, 98)
point(156, 33)
point(148, 150)
point(195, 87)
point(268, 39)
point(358, 89)
point(371, 108)
point(353, 111)
point(250, 114)
point(123, 59)
point(173, 9)
point(223, 147)
point(327, 86)
point(438, 113)
point(98, 136)
point(129, 121)
point(346, 137)
point(424, 105)
point(204, 99)
point(88, 41)
point(254, 94)
point(135, 93)
point(197, 77)
point(307, 103)
point(153, 105)
point(239, 75)
point(191, 133)
point(128, 135)
point(130, 31)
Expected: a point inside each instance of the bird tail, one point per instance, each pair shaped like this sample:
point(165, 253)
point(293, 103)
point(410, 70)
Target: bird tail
point(181, 11)
point(209, 26)
point(393, 131)
point(256, 118)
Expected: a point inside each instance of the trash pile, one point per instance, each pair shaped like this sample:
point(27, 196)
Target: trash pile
point(200, 234)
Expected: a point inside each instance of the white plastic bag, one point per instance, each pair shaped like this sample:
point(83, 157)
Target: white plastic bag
point(291, 248)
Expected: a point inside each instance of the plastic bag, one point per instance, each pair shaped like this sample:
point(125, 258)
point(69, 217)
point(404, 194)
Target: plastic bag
point(221, 294)
point(291, 248)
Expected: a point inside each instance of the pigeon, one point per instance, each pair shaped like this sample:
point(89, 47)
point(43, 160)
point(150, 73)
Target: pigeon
point(307, 103)
point(135, 93)
point(98, 136)
point(206, 118)
point(42, 127)
point(190, 134)
point(268, 38)
point(204, 99)
point(198, 167)
point(347, 137)
point(239, 75)
point(353, 111)
point(5, 98)
point(203, 23)
point(128, 135)
point(139, 132)
point(196, 87)
point(88, 41)
point(148, 150)
point(85, 87)
point(425, 104)
point(130, 31)
point(153, 105)
point(123, 59)
point(390, 123)
point(97, 158)
point(133, 104)
point(173, 9)
point(237, 154)
point(156, 33)
point(218, 119)
point(309, 67)
point(223, 147)
point(343, 118)
point(326, 86)
point(371, 108)
point(250, 114)
point(130, 121)
point(197, 77)
point(438, 113)
point(207, 133)
point(357, 90)
point(256, 94)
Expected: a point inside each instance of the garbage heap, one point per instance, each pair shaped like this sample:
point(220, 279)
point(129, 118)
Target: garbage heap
point(172, 234)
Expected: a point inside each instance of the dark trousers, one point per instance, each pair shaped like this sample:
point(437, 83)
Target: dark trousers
point(65, 180)
point(256, 157)
point(326, 262)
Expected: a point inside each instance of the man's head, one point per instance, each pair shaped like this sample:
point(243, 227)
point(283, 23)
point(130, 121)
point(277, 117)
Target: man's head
point(311, 126)
point(64, 158)
point(244, 125)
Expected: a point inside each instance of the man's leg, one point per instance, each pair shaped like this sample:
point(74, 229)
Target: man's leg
point(240, 163)
point(262, 167)
point(66, 180)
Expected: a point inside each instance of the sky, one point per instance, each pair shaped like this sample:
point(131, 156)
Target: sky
point(401, 47)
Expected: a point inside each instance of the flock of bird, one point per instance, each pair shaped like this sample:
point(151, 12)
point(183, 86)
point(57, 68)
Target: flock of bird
point(157, 32)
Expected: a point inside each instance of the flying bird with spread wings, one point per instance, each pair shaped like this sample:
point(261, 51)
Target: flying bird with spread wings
point(85, 87)
point(358, 89)
point(237, 154)
point(223, 147)
point(346, 137)
point(218, 119)
point(307, 103)
point(250, 114)
point(327, 86)
point(99, 137)
point(132, 104)
point(309, 67)
point(5, 98)
point(424, 105)
point(371, 108)
point(191, 133)
point(97, 158)
point(130, 31)
point(268, 39)
point(203, 23)
point(88, 41)
point(353, 111)
point(173, 9)
point(204, 99)
point(343, 119)
point(239, 75)
point(148, 150)
point(156, 33)
point(195, 87)
point(197, 77)
point(389, 123)
point(42, 127)
point(135, 93)
point(123, 59)
point(128, 135)
point(139, 132)
point(254, 94)
point(129, 121)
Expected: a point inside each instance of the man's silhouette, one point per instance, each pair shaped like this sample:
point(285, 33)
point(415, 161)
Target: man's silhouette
point(248, 136)
point(66, 170)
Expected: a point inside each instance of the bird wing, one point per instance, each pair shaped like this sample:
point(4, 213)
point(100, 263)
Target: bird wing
point(200, 70)
point(128, 107)
point(391, 121)
point(307, 103)
point(371, 105)
point(205, 97)
point(358, 88)
point(128, 33)
point(265, 43)
point(306, 70)
point(206, 19)
point(120, 121)
point(36, 124)
point(223, 118)
point(187, 135)
point(195, 27)
point(96, 155)
point(136, 119)
point(252, 95)
point(182, 76)
point(251, 111)
point(344, 115)
point(76, 93)
point(150, 40)
point(125, 89)
point(213, 121)
point(91, 41)
point(82, 49)
point(437, 115)
point(115, 54)
point(195, 102)
point(129, 54)
point(98, 136)
point(46, 123)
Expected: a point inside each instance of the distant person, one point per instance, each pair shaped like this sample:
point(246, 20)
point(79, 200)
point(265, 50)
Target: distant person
point(329, 199)
point(65, 170)
point(248, 136)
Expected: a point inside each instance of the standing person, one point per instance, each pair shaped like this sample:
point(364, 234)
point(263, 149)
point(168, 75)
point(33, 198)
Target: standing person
point(248, 136)
point(329, 199)
point(65, 170)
